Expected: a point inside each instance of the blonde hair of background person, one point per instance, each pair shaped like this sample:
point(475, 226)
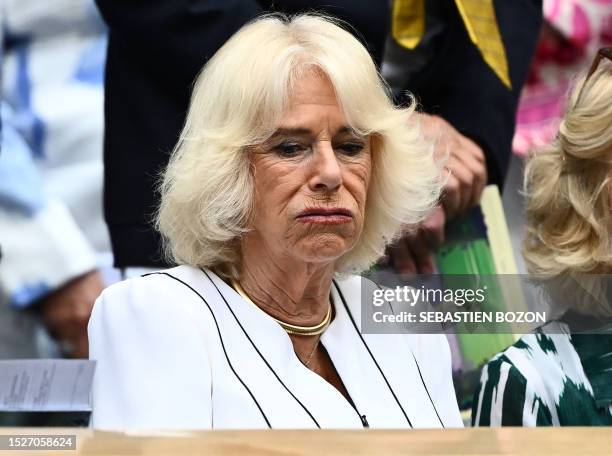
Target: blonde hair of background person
point(568, 190)
point(207, 191)
point(558, 374)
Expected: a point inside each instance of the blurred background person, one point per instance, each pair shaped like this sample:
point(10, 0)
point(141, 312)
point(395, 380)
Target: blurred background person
point(466, 61)
point(572, 32)
point(54, 241)
point(562, 374)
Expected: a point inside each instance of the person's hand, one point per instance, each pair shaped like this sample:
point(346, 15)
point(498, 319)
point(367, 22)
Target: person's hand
point(467, 177)
point(413, 252)
point(66, 313)
point(465, 163)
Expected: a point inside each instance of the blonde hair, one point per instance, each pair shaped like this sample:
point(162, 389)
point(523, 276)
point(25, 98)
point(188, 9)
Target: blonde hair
point(238, 101)
point(567, 187)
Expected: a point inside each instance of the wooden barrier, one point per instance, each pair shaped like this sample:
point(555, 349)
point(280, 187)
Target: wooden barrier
point(555, 441)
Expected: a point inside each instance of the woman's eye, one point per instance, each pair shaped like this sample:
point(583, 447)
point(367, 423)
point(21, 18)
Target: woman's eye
point(289, 149)
point(352, 149)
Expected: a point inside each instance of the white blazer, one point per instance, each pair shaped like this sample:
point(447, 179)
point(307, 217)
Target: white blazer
point(181, 349)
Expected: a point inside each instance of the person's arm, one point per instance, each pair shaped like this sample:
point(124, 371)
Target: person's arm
point(152, 368)
point(43, 247)
point(50, 158)
point(472, 119)
point(46, 260)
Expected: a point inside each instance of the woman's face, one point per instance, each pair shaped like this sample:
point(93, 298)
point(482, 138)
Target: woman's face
point(311, 178)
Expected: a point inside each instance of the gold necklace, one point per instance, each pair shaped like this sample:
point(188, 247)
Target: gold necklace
point(307, 362)
point(288, 327)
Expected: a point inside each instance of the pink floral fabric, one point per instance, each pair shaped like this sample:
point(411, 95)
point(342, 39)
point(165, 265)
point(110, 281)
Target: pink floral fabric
point(573, 32)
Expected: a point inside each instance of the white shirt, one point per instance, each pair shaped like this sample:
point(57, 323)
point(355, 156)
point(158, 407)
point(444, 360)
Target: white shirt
point(182, 349)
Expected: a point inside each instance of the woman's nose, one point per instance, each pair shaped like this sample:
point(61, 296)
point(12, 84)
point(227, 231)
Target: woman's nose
point(326, 174)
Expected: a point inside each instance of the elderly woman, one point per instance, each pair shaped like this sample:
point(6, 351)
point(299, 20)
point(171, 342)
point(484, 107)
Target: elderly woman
point(562, 373)
point(293, 169)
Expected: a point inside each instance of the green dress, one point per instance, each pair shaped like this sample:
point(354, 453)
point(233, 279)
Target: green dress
point(550, 377)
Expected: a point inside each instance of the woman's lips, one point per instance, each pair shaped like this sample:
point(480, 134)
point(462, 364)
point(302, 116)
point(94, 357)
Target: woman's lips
point(331, 216)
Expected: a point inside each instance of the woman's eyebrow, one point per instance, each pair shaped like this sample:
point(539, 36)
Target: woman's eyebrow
point(346, 129)
point(291, 132)
point(306, 131)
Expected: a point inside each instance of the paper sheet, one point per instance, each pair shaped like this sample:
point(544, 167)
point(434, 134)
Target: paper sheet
point(36, 385)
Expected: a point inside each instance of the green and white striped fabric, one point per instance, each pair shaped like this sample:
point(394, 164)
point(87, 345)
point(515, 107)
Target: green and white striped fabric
point(549, 377)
